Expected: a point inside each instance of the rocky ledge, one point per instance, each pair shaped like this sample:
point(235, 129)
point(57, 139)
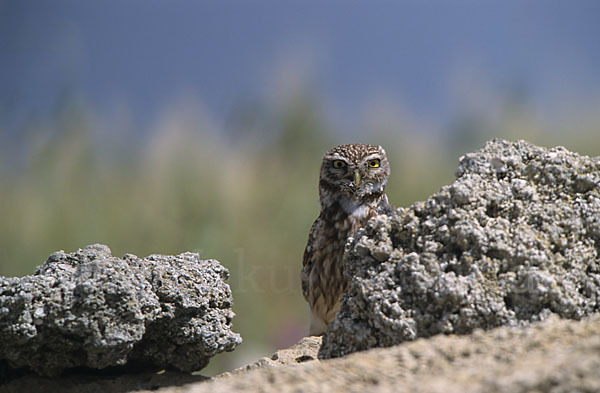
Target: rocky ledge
point(90, 310)
point(550, 356)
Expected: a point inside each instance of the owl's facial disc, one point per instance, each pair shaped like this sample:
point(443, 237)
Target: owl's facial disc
point(353, 176)
point(357, 179)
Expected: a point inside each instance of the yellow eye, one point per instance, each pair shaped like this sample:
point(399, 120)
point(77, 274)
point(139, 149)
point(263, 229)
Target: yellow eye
point(339, 164)
point(373, 163)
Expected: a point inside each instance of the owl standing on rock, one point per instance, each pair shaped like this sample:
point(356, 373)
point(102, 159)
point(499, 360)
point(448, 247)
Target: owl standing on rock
point(351, 190)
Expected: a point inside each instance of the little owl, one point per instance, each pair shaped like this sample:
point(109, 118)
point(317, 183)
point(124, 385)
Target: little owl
point(351, 190)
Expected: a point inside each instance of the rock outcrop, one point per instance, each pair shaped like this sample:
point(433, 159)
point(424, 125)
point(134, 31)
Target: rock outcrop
point(514, 239)
point(92, 310)
point(550, 356)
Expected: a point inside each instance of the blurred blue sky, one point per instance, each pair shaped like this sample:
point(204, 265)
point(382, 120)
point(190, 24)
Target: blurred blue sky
point(428, 59)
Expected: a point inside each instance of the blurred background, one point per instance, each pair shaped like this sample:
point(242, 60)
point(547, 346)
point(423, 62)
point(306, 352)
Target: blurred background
point(169, 126)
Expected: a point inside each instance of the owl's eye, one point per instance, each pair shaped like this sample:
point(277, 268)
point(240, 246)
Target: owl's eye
point(373, 163)
point(338, 164)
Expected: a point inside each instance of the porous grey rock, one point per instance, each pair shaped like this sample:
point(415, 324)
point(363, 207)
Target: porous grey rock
point(90, 309)
point(514, 239)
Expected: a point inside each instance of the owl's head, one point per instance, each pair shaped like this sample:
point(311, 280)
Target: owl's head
point(353, 175)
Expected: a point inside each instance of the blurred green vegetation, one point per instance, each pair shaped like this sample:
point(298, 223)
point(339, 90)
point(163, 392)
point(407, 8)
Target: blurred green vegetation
point(246, 197)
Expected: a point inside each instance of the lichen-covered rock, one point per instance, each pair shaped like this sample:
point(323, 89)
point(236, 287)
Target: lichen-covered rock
point(90, 309)
point(514, 239)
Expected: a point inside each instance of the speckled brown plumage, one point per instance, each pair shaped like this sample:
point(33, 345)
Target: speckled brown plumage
point(351, 190)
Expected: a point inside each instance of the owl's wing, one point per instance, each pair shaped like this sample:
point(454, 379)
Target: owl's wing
point(307, 260)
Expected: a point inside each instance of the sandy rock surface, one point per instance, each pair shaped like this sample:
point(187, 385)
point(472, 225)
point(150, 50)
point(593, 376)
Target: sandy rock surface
point(305, 350)
point(551, 356)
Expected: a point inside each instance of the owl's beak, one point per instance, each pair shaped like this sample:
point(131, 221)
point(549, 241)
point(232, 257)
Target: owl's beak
point(356, 177)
